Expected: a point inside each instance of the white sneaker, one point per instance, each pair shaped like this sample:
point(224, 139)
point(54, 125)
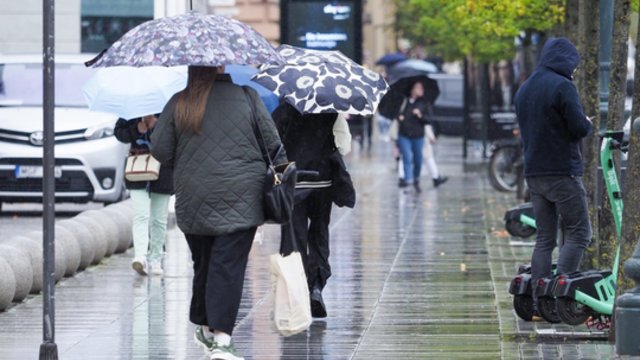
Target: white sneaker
point(139, 265)
point(219, 352)
point(156, 268)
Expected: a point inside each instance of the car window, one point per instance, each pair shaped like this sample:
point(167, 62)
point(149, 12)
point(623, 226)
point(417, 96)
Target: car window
point(21, 84)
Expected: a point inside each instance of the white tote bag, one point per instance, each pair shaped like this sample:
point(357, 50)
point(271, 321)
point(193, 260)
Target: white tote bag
point(291, 312)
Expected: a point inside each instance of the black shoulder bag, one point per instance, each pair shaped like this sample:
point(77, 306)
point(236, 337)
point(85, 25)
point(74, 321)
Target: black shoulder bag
point(280, 181)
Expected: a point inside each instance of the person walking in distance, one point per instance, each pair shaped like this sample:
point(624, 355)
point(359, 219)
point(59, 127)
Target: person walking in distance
point(208, 133)
point(412, 120)
point(150, 198)
point(552, 124)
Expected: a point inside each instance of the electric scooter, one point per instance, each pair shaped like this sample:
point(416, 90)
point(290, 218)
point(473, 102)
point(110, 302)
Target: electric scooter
point(576, 297)
point(519, 220)
point(591, 294)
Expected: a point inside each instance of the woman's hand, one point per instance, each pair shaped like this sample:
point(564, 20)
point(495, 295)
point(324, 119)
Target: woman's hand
point(142, 127)
point(150, 121)
point(401, 117)
point(147, 122)
point(417, 112)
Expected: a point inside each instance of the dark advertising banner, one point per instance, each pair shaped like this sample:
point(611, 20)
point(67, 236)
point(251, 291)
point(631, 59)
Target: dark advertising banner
point(323, 25)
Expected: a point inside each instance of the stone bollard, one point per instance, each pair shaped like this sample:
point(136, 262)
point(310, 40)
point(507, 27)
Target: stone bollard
point(7, 284)
point(71, 249)
point(60, 255)
point(20, 263)
point(108, 226)
point(84, 239)
point(125, 235)
point(126, 208)
point(34, 251)
point(98, 237)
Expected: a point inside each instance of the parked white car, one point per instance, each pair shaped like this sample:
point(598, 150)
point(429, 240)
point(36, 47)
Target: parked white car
point(89, 161)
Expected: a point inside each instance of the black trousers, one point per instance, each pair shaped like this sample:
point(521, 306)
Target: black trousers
point(310, 224)
point(219, 264)
point(565, 196)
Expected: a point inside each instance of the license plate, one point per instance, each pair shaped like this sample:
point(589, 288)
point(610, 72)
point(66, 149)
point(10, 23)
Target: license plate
point(34, 171)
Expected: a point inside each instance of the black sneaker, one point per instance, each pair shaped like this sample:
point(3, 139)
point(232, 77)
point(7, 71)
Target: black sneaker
point(439, 181)
point(402, 183)
point(318, 310)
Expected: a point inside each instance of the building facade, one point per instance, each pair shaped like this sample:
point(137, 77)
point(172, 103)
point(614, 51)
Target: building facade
point(91, 25)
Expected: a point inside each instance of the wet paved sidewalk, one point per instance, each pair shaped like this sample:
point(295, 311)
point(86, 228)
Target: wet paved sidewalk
point(415, 276)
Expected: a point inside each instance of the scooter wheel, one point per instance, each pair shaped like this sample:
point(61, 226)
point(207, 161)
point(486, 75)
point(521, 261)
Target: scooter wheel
point(523, 305)
point(516, 228)
point(547, 308)
point(572, 312)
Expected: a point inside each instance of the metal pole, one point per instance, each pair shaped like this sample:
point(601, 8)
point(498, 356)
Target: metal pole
point(48, 348)
point(604, 56)
point(466, 123)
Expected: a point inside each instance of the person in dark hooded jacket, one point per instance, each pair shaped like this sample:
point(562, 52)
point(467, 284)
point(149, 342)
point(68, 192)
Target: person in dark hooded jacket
point(552, 124)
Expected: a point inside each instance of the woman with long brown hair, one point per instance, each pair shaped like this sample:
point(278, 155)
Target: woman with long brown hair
point(208, 133)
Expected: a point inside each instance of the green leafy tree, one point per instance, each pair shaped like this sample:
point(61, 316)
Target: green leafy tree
point(481, 29)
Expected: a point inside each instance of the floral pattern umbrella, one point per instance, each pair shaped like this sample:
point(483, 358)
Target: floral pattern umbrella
point(315, 81)
point(189, 39)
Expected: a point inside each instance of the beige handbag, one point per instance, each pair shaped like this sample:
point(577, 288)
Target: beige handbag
point(142, 167)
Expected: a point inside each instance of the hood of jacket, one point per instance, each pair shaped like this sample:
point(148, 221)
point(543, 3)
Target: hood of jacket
point(561, 56)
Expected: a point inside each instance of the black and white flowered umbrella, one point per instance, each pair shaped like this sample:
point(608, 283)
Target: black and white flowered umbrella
point(315, 81)
point(189, 39)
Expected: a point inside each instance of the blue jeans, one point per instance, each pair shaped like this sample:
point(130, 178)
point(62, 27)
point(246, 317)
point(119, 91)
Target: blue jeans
point(554, 196)
point(411, 149)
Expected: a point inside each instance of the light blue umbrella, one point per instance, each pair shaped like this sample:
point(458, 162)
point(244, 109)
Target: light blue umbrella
point(242, 75)
point(133, 92)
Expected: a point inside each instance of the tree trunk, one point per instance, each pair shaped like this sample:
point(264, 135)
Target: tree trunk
point(527, 60)
point(588, 44)
point(571, 20)
point(615, 120)
point(615, 117)
point(631, 193)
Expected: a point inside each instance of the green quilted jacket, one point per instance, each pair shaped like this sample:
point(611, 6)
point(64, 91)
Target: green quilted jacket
point(219, 174)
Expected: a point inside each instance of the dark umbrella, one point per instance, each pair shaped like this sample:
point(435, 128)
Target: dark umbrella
point(391, 59)
point(404, 85)
point(401, 88)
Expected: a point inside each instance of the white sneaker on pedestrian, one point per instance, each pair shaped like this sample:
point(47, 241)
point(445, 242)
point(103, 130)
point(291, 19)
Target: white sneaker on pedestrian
point(219, 352)
point(139, 265)
point(156, 268)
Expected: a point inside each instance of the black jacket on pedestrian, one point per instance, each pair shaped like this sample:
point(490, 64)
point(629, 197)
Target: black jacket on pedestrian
point(550, 115)
point(126, 131)
point(413, 126)
point(309, 141)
